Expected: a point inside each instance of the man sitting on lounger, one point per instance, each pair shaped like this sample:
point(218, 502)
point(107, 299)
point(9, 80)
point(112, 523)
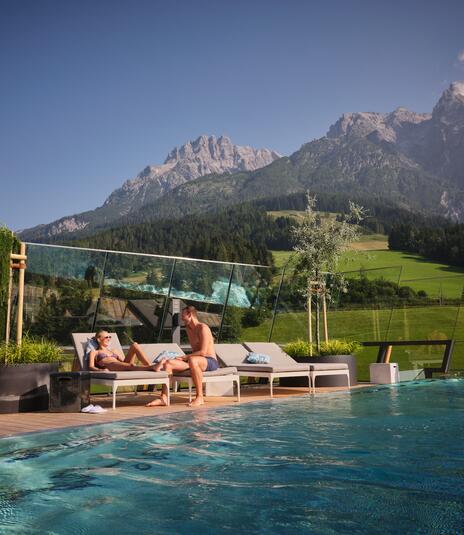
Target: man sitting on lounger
point(201, 359)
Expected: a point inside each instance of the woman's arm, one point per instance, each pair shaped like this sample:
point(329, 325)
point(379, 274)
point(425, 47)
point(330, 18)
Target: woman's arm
point(92, 356)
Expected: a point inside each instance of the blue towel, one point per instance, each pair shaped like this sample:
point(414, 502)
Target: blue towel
point(257, 358)
point(91, 345)
point(166, 355)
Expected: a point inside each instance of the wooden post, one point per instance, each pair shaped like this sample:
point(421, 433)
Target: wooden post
point(22, 267)
point(324, 316)
point(388, 353)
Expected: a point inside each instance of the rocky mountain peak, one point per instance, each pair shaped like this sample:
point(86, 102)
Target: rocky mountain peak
point(451, 102)
point(204, 156)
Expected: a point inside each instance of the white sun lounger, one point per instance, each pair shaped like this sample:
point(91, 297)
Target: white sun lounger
point(316, 369)
point(281, 364)
point(228, 374)
point(116, 379)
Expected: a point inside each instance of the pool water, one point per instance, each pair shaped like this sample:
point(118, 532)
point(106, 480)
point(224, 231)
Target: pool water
point(382, 460)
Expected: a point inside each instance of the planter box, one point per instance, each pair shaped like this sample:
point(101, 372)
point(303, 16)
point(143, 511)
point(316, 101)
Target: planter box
point(328, 380)
point(25, 387)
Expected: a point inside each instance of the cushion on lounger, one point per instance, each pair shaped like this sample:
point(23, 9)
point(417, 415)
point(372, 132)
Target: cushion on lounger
point(257, 358)
point(273, 369)
point(127, 375)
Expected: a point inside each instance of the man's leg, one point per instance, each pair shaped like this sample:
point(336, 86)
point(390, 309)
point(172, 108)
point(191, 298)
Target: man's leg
point(197, 367)
point(170, 366)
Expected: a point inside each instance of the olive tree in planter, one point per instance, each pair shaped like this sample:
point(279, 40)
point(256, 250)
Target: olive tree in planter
point(25, 374)
point(334, 351)
point(319, 243)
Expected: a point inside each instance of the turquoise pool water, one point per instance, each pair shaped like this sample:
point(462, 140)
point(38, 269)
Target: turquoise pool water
point(387, 460)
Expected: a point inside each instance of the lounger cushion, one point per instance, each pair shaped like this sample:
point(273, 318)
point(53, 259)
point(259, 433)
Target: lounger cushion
point(328, 366)
point(258, 358)
point(135, 375)
point(220, 371)
point(262, 368)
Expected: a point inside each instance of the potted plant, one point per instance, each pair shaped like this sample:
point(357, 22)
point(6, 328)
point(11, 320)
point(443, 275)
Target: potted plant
point(25, 374)
point(333, 351)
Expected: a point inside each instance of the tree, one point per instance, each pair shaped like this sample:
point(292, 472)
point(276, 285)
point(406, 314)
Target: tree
point(319, 242)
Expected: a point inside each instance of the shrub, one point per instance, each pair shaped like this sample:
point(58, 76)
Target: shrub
point(339, 347)
point(31, 351)
point(299, 348)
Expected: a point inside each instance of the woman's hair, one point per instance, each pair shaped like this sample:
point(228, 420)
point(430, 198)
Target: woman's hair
point(98, 334)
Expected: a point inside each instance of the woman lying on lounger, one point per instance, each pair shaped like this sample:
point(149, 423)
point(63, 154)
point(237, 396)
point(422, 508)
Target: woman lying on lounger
point(105, 358)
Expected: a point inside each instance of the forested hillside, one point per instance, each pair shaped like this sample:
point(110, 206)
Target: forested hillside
point(240, 234)
point(440, 242)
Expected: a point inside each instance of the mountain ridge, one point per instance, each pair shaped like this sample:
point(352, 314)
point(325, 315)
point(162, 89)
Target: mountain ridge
point(415, 160)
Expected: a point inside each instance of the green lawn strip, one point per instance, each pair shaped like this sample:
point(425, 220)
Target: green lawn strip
point(416, 323)
point(437, 279)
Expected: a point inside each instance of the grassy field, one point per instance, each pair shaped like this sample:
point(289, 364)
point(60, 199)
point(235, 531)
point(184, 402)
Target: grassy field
point(408, 269)
point(440, 322)
point(432, 322)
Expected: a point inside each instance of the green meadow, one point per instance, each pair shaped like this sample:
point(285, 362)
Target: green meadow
point(404, 323)
point(407, 269)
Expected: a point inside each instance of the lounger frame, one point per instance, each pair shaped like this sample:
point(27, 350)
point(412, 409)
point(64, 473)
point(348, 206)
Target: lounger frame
point(177, 379)
point(79, 339)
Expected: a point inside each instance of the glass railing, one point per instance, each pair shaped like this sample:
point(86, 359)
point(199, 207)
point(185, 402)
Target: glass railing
point(72, 289)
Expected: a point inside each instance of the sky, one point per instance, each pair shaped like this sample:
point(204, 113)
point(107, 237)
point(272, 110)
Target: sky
point(92, 91)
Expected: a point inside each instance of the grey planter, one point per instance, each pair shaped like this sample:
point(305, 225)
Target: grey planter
point(25, 387)
point(329, 380)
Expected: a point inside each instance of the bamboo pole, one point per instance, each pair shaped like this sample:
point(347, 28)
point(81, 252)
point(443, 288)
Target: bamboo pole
point(19, 323)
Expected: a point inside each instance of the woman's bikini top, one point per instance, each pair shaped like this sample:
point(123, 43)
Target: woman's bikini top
point(102, 355)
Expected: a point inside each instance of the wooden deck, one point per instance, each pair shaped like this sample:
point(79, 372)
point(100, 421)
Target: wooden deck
point(130, 406)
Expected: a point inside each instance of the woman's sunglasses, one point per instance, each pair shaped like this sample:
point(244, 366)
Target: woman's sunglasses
point(106, 337)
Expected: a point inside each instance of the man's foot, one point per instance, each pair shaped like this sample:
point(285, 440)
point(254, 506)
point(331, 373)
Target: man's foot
point(196, 402)
point(160, 402)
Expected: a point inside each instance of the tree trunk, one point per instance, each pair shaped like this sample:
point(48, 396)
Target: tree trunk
point(310, 327)
point(318, 333)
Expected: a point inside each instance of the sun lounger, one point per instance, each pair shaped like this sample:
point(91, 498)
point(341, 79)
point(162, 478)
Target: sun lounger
point(116, 379)
point(316, 369)
point(228, 374)
point(281, 364)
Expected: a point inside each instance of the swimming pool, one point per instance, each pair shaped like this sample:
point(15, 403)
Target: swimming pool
point(385, 460)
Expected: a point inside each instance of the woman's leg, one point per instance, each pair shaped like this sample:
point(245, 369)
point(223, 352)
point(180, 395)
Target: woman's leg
point(135, 351)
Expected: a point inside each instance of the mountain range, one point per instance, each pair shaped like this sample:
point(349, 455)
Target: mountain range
point(414, 160)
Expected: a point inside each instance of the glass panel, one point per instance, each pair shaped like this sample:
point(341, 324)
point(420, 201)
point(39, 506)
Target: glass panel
point(134, 296)
point(291, 317)
point(250, 304)
point(205, 286)
point(62, 288)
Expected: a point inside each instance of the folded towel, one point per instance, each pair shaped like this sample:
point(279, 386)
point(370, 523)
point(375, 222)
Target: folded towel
point(258, 358)
point(91, 345)
point(169, 355)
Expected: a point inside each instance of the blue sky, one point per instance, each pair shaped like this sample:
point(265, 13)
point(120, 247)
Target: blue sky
point(93, 90)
